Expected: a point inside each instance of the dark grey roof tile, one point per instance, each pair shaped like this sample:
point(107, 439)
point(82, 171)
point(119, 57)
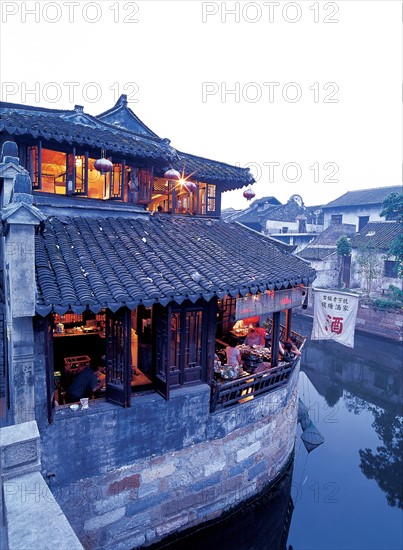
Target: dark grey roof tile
point(80, 264)
point(377, 234)
point(364, 197)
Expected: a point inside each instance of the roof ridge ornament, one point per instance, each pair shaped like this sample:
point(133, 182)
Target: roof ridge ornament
point(9, 153)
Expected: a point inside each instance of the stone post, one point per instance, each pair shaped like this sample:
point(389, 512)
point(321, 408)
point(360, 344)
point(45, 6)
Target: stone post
point(32, 517)
point(20, 220)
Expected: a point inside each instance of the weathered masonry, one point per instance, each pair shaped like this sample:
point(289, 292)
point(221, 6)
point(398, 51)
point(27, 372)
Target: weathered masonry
point(93, 272)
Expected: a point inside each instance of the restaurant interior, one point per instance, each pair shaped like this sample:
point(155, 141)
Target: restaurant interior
point(243, 347)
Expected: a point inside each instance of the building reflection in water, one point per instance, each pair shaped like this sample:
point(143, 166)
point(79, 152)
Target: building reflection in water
point(364, 379)
point(368, 378)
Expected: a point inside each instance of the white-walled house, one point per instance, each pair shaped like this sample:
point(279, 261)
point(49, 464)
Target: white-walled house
point(322, 254)
point(358, 207)
point(371, 246)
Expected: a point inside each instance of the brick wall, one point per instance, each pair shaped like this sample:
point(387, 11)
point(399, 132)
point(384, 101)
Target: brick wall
point(129, 477)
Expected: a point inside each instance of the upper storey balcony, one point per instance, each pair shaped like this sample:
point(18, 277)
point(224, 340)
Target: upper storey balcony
point(60, 149)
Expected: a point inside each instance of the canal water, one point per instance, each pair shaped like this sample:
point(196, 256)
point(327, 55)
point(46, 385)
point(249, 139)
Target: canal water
point(347, 493)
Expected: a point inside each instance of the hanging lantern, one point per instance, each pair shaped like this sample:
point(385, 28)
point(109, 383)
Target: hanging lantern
point(248, 194)
point(103, 165)
point(189, 186)
point(172, 174)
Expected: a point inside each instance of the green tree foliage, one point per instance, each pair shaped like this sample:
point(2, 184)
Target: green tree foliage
point(343, 246)
point(393, 210)
point(368, 264)
point(393, 207)
point(343, 250)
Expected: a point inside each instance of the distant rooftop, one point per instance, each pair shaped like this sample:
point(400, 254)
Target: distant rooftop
point(364, 196)
point(378, 234)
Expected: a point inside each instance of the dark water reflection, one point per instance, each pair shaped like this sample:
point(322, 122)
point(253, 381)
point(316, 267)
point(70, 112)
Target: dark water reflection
point(347, 493)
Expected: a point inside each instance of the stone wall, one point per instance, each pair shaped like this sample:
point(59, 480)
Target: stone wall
point(32, 518)
point(3, 395)
point(129, 477)
point(382, 323)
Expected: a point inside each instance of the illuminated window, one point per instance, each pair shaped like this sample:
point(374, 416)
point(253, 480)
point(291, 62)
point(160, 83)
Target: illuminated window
point(211, 194)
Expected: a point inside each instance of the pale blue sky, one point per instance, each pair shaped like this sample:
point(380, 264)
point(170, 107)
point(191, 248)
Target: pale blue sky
point(179, 62)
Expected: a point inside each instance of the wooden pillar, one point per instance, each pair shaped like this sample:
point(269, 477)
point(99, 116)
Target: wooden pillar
point(288, 323)
point(275, 333)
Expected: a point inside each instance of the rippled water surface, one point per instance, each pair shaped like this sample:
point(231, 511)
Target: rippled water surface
point(347, 493)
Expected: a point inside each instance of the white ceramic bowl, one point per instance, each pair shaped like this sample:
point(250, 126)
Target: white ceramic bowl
point(74, 407)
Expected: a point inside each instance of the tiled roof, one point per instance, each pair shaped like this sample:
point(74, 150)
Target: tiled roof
point(89, 262)
point(122, 116)
point(316, 252)
point(378, 234)
point(288, 212)
point(317, 214)
point(364, 197)
point(326, 242)
point(331, 234)
point(255, 213)
point(252, 223)
point(211, 171)
point(119, 131)
point(77, 128)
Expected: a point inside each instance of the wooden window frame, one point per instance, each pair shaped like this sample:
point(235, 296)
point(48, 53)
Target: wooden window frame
point(362, 223)
point(145, 183)
point(336, 219)
point(390, 269)
point(121, 166)
point(34, 164)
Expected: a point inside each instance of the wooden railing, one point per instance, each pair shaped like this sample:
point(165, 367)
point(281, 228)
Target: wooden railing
point(241, 390)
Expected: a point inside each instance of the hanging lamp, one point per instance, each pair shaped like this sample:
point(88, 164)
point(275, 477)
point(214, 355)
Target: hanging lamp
point(248, 193)
point(103, 165)
point(189, 186)
point(172, 174)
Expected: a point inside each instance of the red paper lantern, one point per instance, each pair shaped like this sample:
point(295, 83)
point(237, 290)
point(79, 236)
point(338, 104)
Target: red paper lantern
point(248, 194)
point(103, 165)
point(172, 174)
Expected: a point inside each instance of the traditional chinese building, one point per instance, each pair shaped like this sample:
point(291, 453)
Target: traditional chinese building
point(92, 268)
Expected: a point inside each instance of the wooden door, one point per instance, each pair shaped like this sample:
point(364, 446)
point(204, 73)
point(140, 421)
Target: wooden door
point(118, 367)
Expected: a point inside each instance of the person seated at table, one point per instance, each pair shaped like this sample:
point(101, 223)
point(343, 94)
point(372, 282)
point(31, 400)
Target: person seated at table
point(253, 338)
point(85, 385)
point(263, 335)
point(232, 353)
